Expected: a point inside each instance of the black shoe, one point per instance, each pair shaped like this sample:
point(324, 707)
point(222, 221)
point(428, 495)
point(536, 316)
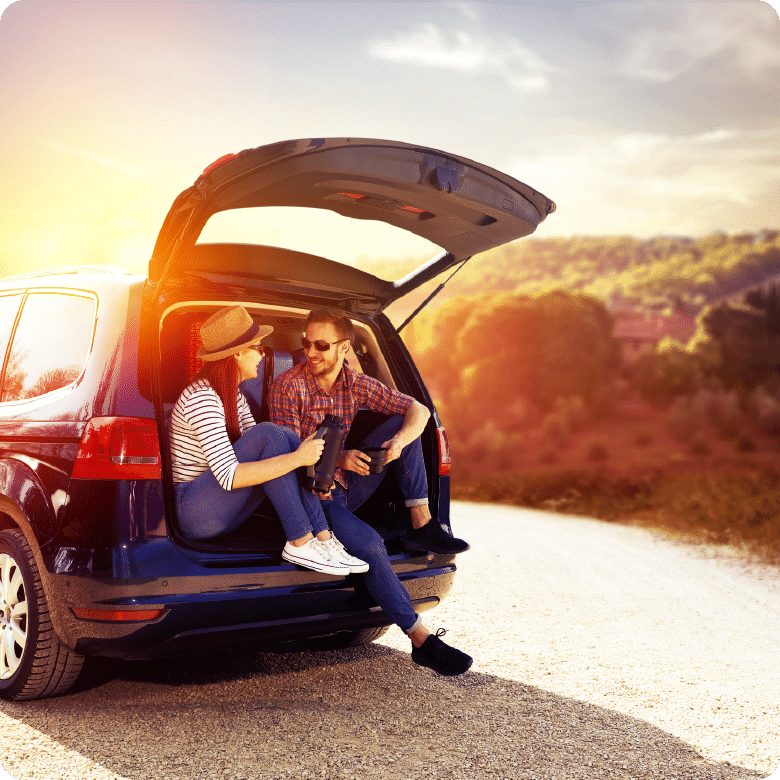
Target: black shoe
point(440, 657)
point(433, 538)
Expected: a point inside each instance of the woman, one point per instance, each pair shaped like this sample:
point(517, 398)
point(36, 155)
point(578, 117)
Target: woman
point(224, 464)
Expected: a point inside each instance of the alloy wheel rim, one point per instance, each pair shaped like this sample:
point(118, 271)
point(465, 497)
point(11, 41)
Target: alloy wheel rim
point(13, 616)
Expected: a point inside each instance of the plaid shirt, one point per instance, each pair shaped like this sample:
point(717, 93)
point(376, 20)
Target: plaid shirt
point(298, 402)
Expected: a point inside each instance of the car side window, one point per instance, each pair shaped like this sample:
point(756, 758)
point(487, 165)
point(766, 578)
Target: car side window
point(50, 346)
point(9, 308)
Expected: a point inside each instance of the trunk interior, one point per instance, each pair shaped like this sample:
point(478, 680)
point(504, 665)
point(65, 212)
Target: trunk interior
point(262, 533)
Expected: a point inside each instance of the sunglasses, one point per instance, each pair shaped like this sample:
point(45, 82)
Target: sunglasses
point(320, 346)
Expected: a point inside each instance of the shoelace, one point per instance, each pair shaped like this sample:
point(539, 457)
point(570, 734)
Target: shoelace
point(343, 549)
point(437, 649)
point(334, 545)
point(325, 549)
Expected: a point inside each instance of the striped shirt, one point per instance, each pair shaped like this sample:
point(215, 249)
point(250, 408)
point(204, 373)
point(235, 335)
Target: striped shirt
point(298, 402)
point(198, 435)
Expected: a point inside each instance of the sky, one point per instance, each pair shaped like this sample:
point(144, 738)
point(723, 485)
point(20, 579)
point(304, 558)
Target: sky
point(636, 118)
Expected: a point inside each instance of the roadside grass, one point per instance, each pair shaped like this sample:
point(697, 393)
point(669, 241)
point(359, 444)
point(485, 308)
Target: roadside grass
point(737, 504)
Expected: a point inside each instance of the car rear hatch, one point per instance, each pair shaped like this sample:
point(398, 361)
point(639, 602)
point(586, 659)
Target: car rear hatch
point(453, 202)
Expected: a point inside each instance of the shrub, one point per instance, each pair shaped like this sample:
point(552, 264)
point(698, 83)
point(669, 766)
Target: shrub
point(643, 439)
point(726, 414)
point(597, 451)
point(605, 398)
point(699, 446)
point(666, 372)
point(687, 416)
point(746, 444)
point(765, 409)
point(557, 428)
point(572, 408)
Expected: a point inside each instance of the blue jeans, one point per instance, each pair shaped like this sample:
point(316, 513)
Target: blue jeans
point(361, 539)
point(365, 543)
point(408, 470)
point(205, 509)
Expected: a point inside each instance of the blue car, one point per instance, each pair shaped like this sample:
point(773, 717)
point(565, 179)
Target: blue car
point(92, 562)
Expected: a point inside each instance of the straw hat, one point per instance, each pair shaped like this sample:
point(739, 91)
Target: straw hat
point(228, 331)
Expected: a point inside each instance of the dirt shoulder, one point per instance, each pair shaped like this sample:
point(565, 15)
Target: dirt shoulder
point(631, 469)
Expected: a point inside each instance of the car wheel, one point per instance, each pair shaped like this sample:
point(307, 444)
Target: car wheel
point(33, 663)
point(344, 639)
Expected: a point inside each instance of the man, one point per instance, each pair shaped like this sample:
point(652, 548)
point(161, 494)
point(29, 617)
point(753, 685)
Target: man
point(299, 399)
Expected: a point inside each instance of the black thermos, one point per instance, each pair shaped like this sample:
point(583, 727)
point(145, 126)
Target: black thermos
point(319, 477)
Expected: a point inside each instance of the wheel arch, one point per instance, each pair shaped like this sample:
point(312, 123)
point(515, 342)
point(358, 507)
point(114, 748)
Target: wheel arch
point(7, 522)
point(14, 514)
point(24, 503)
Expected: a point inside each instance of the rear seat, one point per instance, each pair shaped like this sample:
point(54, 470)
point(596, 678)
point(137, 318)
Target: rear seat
point(256, 390)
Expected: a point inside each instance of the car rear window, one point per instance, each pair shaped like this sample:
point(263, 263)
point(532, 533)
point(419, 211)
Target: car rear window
point(50, 346)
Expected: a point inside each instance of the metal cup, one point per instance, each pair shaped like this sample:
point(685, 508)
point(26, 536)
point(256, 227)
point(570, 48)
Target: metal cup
point(378, 457)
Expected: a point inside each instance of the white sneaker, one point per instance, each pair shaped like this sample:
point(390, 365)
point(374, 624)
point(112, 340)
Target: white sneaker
point(339, 553)
point(314, 555)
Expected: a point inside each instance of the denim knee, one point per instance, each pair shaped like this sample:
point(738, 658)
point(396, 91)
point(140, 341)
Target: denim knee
point(261, 441)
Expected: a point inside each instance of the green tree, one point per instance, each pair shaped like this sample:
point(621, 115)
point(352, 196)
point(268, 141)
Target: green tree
point(747, 341)
point(507, 347)
point(667, 371)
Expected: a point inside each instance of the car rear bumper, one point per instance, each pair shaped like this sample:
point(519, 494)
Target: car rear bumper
point(206, 609)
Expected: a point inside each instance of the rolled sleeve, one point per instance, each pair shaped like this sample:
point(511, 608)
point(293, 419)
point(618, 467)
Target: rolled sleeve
point(378, 397)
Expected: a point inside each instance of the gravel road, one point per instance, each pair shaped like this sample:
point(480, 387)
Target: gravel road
point(601, 651)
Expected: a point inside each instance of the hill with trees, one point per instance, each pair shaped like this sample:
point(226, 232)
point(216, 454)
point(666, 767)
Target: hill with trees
point(625, 272)
point(543, 409)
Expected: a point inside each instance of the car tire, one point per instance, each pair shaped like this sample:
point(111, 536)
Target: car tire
point(344, 639)
point(33, 663)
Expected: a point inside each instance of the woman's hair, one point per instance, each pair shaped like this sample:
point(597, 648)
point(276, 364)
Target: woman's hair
point(224, 376)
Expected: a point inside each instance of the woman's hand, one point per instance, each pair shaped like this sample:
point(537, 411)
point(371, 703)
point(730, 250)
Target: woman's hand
point(310, 450)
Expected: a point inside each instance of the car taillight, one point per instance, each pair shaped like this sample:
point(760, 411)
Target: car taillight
point(444, 452)
point(118, 448)
point(117, 615)
point(221, 161)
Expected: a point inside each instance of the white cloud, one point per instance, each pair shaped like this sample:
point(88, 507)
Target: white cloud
point(679, 35)
point(648, 184)
point(467, 49)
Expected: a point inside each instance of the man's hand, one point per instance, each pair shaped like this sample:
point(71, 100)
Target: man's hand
point(393, 448)
point(355, 460)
